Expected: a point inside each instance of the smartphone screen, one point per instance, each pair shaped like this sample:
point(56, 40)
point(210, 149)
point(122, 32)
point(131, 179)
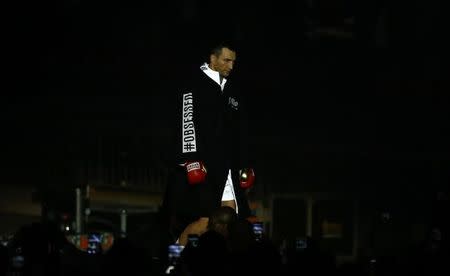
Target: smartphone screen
point(301, 244)
point(94, 244)
point(174, 253)
point(193, 240)
point(258, 229)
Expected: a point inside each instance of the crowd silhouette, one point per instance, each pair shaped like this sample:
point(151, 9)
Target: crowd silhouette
point(229, 246)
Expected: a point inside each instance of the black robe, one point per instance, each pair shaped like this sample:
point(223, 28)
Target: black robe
point(210, 125)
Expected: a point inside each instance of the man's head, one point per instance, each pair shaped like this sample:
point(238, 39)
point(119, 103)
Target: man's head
point(221, 219)
point(221, 59)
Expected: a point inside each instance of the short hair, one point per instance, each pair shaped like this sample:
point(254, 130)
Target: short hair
point(223, 215)
point(217, 48)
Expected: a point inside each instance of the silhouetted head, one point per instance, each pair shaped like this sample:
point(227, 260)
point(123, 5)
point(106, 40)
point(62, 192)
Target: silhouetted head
point(221, 219)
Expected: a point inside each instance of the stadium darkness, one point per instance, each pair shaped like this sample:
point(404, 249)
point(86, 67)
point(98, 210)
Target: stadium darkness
point(345, 99)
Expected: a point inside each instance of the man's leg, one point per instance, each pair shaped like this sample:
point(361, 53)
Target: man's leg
point(228, 196)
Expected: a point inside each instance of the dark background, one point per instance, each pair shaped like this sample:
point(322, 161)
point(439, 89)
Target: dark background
point(363, 108)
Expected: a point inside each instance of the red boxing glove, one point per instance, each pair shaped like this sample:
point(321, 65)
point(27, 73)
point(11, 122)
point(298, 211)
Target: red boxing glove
point(196, 172)
point(246, 178)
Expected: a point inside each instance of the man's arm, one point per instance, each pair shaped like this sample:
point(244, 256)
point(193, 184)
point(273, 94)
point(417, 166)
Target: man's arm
point(188, 139)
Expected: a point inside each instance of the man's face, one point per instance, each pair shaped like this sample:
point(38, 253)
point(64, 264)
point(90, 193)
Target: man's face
point(224, 62)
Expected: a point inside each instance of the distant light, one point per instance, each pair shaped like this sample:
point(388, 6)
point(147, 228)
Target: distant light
point(67, 228)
